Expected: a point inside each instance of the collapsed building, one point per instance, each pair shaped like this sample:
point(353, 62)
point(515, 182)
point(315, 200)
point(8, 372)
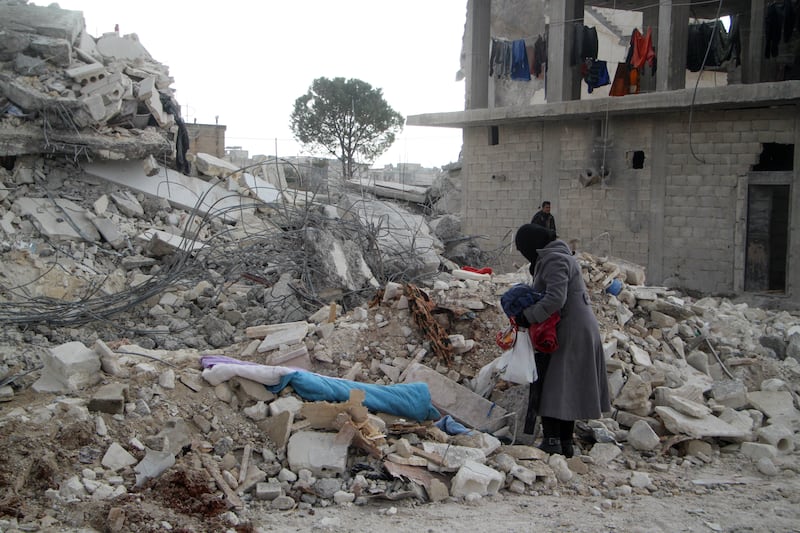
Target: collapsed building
point(169, 334)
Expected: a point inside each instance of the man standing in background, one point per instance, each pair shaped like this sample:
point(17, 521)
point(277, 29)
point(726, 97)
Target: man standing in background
point(544, 218)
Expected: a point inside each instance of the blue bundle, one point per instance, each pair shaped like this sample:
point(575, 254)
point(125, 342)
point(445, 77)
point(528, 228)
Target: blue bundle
point(517, 298)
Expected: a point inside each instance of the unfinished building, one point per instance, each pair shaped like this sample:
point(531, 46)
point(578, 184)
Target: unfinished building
point(693, 176)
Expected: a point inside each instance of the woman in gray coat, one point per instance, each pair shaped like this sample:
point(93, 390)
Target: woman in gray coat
point(572, 382)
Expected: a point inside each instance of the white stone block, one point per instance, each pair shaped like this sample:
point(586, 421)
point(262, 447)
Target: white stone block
point(474, 477)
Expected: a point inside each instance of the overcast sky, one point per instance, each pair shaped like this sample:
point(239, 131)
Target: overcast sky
point(247, 62)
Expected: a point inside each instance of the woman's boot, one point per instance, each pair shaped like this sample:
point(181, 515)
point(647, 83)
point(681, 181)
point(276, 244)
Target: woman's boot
point(550, 445)
point(551, 442)
point(565, 430)
point(567, 447)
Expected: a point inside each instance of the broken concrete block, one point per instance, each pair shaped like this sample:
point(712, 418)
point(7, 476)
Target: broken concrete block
point(85, 74)
point(708, 426)
point(777, 435)
point(160, 243)
point(153, 103)
point(127, 204)
point(111, 234)
point(293, 356)
point(213, 166)
point(452, 457)
point(146, 88)
point(151, 166)
point(68, 367)
point(642, 437)
point(476, 478)
point(95, 108)
point(458, 401)
point(758, 450)
point(777, 405)
point(109, 360)
point(289, 333)
point(268, 490)
point(128, 48)
point(109, 398)
point(117, 458)
point(316, 451)
point(153, 465)
point(688, 407)
point(247, 389)
point(278, 428)
point(51, 219)
point(286, 403)
point(54, 50)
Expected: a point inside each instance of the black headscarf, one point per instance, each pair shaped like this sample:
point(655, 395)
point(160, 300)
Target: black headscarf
point(531, 237)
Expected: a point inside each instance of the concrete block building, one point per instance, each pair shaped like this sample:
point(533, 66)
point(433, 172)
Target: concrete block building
point(698, 182)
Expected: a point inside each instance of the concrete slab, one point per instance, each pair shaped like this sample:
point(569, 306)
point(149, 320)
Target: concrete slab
point(264, 191)
point(709, 426)
point(53, 220)
point(127, 48)
point(458, 401)
point(778, 406)
point(181, 191)
point(214, 166)
point(292, 334)
point(49, 21)
point(318, 452)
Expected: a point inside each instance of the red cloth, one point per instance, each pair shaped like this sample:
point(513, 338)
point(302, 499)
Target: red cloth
point(642, 48)
point(543, 335)
point(486, 270)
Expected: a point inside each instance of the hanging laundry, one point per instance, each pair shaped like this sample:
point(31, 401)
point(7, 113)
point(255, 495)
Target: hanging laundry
point(791, 18)
point(595, 74)
point(773, 27)
point(621, 84)
point(520, 68)
point(539, 57)
point(733, 51)
point(641, 51)
point(700, 35)
point(500, 59)
point(584, 44)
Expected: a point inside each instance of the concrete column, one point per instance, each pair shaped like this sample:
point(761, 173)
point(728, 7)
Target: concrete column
point(673, 39)
point(563, 80)
point(752, 35)
point(479, 14)
point(658, 192)
point(793, 256)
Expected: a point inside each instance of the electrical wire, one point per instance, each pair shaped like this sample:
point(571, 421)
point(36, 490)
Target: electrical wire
point(697, 83)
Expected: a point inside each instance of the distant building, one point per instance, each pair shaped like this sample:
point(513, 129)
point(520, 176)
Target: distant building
point(405, 173)
point(207, 139)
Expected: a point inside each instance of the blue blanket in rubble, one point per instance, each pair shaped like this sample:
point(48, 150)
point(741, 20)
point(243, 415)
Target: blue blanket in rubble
point(409, 400)
point(518, 298)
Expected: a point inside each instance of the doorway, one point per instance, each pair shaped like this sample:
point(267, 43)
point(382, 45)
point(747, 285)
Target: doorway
point(767, 237)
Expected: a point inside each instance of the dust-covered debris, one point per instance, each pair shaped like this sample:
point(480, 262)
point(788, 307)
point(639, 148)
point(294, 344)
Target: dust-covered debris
point(117, 289)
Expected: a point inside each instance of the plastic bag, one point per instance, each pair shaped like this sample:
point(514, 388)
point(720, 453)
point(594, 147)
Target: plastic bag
point(520, 366)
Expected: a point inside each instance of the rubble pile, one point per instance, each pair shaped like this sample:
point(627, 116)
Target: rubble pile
point(199, 351)
point(694, 382)
point(64, 92)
